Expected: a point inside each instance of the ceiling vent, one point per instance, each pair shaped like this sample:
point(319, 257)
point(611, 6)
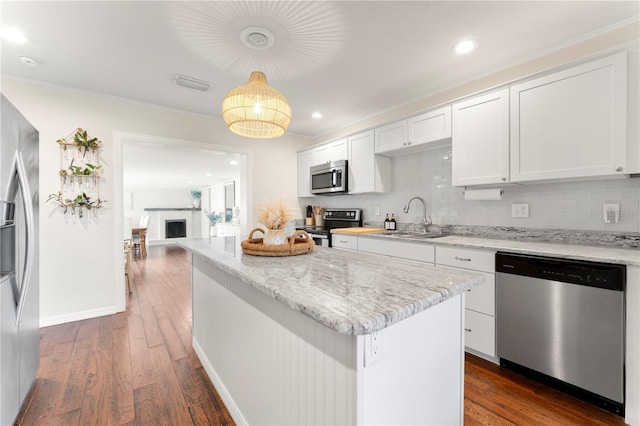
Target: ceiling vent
point(191, 83)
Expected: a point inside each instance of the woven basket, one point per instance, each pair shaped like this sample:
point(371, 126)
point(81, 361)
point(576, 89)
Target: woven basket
point(296, 246)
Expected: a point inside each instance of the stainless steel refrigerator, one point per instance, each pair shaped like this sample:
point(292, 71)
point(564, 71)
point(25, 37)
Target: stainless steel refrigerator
point(19, 281)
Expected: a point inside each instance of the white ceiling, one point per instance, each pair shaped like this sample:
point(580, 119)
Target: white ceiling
point(347, 59)
point(152, 165)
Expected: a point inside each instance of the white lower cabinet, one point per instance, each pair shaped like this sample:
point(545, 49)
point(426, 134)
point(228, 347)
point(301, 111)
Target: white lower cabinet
point(480, 302)
point(480, 332)
point(402, 249)
point(345, 242)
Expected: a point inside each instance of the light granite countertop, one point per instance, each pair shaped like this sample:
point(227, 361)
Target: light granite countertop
point(630, 256)
point(352, 293)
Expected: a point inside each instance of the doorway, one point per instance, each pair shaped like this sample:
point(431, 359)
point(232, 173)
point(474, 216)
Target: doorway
point(160, 178)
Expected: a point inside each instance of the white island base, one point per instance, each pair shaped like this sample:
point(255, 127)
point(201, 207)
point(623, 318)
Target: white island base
point(274, 365)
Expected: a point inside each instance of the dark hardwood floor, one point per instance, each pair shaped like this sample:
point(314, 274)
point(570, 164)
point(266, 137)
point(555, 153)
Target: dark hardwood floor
point(138, 368)
point(133, 368)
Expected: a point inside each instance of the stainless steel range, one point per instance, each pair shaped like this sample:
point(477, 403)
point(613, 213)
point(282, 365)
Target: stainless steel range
point(333, 218)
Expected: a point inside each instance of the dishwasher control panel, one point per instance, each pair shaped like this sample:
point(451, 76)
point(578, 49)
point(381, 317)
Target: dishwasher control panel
point(593, 274)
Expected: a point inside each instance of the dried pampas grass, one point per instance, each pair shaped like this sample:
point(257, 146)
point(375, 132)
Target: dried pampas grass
point(274, 216)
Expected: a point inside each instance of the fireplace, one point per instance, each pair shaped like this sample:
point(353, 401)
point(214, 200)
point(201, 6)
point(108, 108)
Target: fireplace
point(175, 228)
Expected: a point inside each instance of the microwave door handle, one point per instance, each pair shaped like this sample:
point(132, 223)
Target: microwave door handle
point(334, 178)
point(20, 179)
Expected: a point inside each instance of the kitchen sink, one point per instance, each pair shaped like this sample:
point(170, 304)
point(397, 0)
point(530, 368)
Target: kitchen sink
point(410, 235)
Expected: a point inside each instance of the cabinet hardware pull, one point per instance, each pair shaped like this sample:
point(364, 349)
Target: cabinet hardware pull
point(463, 259)
point(618, 169)
point(504, 179)
point(467, 329)
point(343, 241)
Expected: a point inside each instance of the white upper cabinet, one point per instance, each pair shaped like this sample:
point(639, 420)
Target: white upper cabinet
point(572, 123)
point(305, 161)
point(480, 140)
point(425, 131)
point(368, 172)
point(332, 151)
point(430, 127)
point(391, 137)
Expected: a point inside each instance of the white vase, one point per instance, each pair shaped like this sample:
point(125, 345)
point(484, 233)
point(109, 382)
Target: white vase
point(213, 231)
point(275, 237)
point(196, 203)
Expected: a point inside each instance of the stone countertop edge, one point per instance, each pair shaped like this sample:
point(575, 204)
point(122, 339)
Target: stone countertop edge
point(352, 293)
point(622, 256)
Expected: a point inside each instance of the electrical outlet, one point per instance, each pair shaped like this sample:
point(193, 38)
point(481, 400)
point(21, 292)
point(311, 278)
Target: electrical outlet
point(372, 348)
point(611, 212)
point(377, 211)
point(520, 210)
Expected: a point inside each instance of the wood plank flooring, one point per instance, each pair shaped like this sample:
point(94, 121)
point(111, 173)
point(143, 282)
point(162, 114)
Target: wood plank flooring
point(133, 368)
point(138, 368)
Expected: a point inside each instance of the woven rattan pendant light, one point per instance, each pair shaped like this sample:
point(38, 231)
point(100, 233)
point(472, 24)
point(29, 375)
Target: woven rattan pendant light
point(256, 110)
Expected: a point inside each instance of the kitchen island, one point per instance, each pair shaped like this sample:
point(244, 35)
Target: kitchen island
point(331, 337)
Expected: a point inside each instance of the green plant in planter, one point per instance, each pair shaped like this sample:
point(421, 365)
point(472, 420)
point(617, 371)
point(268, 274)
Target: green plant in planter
point(81, 201)
point(81, 139)
point(196, 195)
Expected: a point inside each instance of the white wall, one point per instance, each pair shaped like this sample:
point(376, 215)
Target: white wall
point(81, 268)
point(571, 206)
point(143, 198)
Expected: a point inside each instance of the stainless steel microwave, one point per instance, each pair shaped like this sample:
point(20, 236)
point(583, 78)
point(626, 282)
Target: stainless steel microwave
point(329, 178)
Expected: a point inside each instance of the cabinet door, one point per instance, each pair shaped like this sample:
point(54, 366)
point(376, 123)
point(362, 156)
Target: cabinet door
point(367, 172)
point(480, 140)
point(305, 161)
point(572, 123)
point(338, 150)
point(402, 249)
point(430, 126)
point(391, 137)
point(321, 154)
point(480, 332)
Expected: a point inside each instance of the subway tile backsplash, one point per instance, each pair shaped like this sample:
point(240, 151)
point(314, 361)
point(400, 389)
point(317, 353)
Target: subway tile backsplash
point(566, 205)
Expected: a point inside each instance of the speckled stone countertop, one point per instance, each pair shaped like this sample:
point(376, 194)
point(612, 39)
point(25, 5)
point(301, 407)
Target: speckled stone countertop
point(349, 292)
point(625, 256)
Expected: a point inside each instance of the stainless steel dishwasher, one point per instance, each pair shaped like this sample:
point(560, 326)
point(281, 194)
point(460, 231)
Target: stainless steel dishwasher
point(561, 322)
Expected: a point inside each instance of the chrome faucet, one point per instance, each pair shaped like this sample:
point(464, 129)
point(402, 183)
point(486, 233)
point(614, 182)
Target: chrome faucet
point(425, 221)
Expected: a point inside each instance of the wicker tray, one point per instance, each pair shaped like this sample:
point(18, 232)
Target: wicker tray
point(296, 246)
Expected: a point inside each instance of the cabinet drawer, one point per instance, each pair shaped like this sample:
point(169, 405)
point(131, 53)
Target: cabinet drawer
point(402, 249)
point(480, 332)
point(478, 260)
point(483, 297)
point(347, 242)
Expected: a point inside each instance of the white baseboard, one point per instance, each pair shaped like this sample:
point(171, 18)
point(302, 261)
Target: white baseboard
point(77, 316)
point(233, 409)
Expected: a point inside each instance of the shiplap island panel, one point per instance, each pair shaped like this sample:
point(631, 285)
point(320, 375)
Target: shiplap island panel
point(289, 340)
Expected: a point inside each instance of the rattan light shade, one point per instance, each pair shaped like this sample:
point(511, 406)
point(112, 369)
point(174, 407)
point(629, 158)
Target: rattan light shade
point(256, 110)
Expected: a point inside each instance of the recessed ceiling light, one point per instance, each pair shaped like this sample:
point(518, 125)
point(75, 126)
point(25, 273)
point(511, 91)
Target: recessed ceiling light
point(29, 61)
point(233, 162)
point(208, 174)
point(190, 182)
point(14, 35)
point(316, 115)
point(465, 46)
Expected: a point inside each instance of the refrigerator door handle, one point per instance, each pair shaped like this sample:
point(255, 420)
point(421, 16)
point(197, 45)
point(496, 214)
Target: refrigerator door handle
point(19, 178)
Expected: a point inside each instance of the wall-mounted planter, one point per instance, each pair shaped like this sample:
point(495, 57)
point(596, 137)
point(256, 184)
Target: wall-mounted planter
point(79, 174)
